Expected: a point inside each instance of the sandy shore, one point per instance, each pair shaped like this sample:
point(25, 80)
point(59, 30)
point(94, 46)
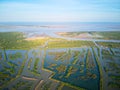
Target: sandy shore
point(35, 38)
point(79, 36)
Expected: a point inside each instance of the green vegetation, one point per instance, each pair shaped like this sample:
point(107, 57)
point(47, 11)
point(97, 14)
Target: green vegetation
point(36, 65)
point(19, 84)
point(113, 85)
point(46, 86)
point(115, 76)
point(23, 64)
point(100, 67)
point(109, 44)
point(0, 55)
point(117, 52)
point(105, 52)
point(112, 51)
point(15, 56)
point(12, 70)
point(111, 35)
point(71, 70)
point(16, 40)
point(113, 65)
point(34, 53)
point(61, 68)
point(58, 55)
point(10, 39)
point(34, 69)
point(89, 61)
point(22, 83)
point(60, 86)
point(98, 50)
point(29, 63)
point(112, 69)
point(71, 43)
point(28, 86)
point(76, 57)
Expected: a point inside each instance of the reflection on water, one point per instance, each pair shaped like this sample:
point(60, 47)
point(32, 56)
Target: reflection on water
point(79, 67)
point(76, 67)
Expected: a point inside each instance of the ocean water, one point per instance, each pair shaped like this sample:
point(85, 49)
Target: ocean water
point(45, 27)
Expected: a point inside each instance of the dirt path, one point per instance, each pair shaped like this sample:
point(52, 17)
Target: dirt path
point(39, 84)
point(28, 78)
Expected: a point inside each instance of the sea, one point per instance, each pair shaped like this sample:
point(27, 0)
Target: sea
point(50, 28)
point(59, 26)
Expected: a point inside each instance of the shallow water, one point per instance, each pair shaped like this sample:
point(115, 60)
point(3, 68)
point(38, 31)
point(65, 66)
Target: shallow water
point(59, 27)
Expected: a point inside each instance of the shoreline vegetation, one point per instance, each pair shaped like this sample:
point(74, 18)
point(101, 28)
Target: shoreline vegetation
point(19, 40)
point(106, 35)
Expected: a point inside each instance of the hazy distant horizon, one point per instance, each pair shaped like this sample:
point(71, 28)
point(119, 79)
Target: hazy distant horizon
point(72, 22)
point(47, 27)
point(60, 10)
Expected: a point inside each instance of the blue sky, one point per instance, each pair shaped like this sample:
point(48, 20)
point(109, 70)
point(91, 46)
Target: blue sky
point(60, 10)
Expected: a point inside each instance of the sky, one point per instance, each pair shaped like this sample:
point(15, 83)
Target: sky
point(59, 10)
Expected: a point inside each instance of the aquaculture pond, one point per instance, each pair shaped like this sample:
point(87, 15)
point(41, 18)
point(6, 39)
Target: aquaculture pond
point(110, 62)
point(76, 66)
point(19, 69)
point(10, 64)
point(84, 68)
